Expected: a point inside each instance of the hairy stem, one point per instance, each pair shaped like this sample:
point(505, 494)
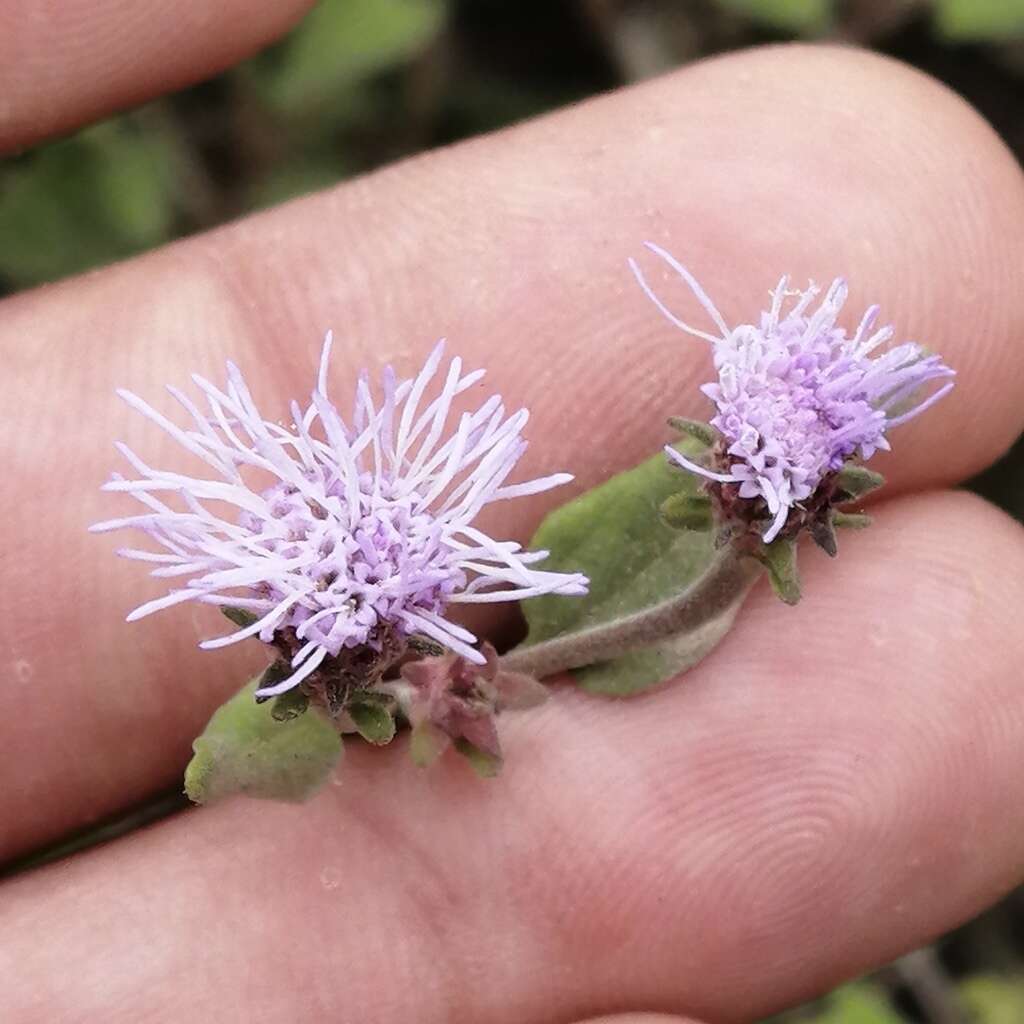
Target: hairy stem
point(724, 582)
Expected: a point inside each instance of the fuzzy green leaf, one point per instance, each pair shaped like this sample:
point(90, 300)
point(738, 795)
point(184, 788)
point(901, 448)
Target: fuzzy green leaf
point(615, 535)
point(243, 749)
point(373, 722)
point(239, 616)
point(701, 432)
point(289, 705)
point(823, 533)
point(426, 646)
point(686, 512)
point(855, 481)
point(851, 520)
point(779, 558)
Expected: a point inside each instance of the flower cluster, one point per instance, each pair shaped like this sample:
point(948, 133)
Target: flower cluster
point(796, 398)
point(339, 542)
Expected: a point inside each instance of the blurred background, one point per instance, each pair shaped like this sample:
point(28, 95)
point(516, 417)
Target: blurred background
point(362, 82)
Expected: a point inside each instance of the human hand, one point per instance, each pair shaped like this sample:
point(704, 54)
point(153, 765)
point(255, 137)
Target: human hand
point(837, 783)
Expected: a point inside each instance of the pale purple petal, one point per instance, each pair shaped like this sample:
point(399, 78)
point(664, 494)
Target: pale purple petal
point(796, 397)
point(344, 534)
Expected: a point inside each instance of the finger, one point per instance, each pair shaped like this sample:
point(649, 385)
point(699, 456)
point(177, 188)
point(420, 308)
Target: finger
point(65, 63)
point(835, 786)
point(544, 301)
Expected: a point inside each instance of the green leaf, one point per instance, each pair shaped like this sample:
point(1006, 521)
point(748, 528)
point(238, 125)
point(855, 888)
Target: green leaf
point(342, 42)
point(486, 765)
point(243, 749)
point(851, 520)
point(963, 20)
point(823, 533)
point(426, 646)
point(702, 432)
point(239, 616)
point(615, 535)
point(686, 512)
point(373, 722)
point(994, 1000)
point(855, 481)
point(806, 17)
point(289, 705)
point(779, 558)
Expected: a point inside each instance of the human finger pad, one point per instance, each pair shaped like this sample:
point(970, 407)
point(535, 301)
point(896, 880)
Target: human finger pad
point(833, 786)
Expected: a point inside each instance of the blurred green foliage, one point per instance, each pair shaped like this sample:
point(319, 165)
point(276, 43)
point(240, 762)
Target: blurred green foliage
point(983, 999)
point(102, 194)
point(979, 20)
point(994, 1000)
point(860, 1003)
point(954, 19)
point(341, 44)
point(803, 17)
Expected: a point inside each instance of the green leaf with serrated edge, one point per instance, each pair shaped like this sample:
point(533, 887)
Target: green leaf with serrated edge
point(851, 520)
point(779, 558)
point(373, 722)
point(686, 512)
point(855, 481)
point(239, 616)
point(244, 750)
point(979, 19)
point(615, 535)
point(701, 432)
point(486, 765)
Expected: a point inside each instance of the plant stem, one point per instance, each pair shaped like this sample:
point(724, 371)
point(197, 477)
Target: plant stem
point(724, 582)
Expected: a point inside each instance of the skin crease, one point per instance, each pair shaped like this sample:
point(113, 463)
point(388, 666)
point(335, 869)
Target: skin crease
point(684, 858)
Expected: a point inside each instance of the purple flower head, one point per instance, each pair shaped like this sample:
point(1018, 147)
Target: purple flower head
point(796, 397)
point(339, 540)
